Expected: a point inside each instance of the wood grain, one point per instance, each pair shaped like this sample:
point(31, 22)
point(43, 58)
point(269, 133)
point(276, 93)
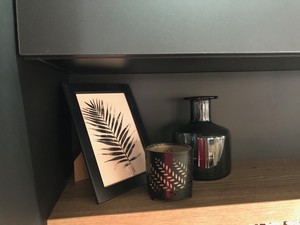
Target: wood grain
point(255, 192)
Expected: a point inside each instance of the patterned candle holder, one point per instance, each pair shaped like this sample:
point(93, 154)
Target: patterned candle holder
point(169, 171)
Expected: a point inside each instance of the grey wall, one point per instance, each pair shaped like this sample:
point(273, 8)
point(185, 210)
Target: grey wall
point(261, 109)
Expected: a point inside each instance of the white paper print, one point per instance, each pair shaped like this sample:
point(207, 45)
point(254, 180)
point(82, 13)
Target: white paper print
point(113, 135)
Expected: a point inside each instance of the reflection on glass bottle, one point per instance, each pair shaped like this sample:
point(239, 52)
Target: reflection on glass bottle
point(210, 142)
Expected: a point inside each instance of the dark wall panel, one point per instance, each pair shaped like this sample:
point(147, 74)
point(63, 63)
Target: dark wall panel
point(35, 141)
point(18, 203)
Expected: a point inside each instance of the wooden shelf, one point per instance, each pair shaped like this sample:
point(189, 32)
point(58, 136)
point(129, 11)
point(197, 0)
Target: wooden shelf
point(255, 192)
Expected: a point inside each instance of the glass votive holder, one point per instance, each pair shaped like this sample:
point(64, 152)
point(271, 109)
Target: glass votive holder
point(169, 171)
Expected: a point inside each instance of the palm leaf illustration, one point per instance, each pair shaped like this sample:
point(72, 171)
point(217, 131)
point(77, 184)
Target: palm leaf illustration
point(109, 128)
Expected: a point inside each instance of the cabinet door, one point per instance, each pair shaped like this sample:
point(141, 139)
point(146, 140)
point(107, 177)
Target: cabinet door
point(73, 27)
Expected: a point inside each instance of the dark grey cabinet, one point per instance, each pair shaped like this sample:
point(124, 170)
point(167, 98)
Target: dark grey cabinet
point(126, 36)
point(76, 27)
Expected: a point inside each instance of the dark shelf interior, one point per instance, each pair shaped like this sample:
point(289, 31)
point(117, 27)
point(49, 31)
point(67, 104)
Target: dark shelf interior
point(137, 64)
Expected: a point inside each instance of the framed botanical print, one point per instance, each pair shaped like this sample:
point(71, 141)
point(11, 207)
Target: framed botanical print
point(111, 135)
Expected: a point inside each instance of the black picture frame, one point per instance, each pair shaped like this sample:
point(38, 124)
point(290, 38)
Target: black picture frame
point(106, 160)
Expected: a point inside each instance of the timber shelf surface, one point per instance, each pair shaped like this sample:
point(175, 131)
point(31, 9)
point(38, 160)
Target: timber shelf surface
point(255, 192)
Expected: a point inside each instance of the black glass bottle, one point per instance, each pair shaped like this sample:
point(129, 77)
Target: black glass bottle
point(210, 142)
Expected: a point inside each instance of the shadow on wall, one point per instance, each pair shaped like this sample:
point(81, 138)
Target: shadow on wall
point(48, 127)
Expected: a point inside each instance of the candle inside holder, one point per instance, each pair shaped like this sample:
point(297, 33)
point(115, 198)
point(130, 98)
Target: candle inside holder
point(169, 171)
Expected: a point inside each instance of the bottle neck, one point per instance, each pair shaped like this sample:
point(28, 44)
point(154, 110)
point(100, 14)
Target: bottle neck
point(200, 110)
